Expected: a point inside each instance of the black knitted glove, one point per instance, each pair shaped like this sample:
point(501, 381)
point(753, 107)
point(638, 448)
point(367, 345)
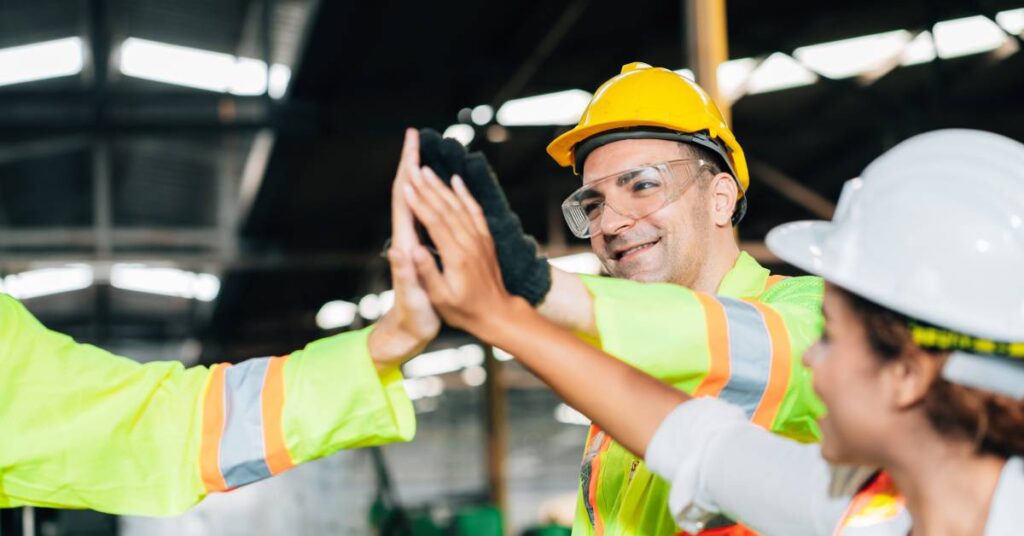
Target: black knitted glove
point(525, 273)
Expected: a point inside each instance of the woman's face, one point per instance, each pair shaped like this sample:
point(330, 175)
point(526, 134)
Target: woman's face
point(851, 381)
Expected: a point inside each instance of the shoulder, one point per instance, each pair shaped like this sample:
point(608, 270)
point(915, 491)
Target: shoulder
point(808, 289)
point(1006, 516)
point(12, 311)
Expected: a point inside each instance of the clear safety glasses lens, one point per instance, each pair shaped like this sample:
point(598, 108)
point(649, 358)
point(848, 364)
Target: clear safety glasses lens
point(634, 194)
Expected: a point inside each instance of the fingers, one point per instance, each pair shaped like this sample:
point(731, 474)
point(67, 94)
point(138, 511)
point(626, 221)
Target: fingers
point(433, 281)
point(469, 204)
point(403, 230)
point(455, 210)
point(403, 272)
point(434, 220)
point(438, 210)
point(411, 148)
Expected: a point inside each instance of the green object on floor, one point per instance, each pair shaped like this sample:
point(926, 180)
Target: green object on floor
point(478, 521)
point(548, 530)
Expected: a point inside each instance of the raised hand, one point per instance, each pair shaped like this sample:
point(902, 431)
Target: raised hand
point(469, 293)
point(411, 323)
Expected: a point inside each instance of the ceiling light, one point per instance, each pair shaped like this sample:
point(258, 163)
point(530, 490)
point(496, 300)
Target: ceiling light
point(561, 108)
point(201, 69)
point(474, 376)
point(779, 71)
point(851, 57)
point(732, 77)
point(579, 263)
point(568, 415)
point(336, 314)
point(39, 61)
point(47, 281)
point(502, 355)
point(427, 387)
point(920, 50)
point(969, 35)
point(444, 361)
point(482, 114)
point(165, 281)
point(460, 132)
point(1012, 20)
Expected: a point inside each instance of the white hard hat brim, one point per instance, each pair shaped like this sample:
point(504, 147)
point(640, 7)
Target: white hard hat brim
point(801, 243)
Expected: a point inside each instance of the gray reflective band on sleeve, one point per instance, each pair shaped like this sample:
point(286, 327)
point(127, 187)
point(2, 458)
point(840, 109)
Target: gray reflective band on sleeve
point(241, 447)
point(1001, 375)
point(750, 355)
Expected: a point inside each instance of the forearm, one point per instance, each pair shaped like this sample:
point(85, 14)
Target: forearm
point(719, 463)
point(569, 304)
point(625, 402)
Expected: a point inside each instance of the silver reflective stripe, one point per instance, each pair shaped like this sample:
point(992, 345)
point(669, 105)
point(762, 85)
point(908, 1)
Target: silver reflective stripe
point(750, 355)
point(241, 447)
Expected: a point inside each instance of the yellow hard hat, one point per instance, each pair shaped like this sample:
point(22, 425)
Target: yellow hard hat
point(650, 102)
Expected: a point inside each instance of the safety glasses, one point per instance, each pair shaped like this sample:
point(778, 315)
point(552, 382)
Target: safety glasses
point(634, 193)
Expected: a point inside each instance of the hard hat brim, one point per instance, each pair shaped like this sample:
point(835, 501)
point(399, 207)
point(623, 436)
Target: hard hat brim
point(800, 244)
point(804, 245)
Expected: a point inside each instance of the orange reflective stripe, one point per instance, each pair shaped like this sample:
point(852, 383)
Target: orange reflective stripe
point(778, 379)
point(595, 468)
point(720, 367)
point(274, 446)
point(213, 429)
point(773, 280)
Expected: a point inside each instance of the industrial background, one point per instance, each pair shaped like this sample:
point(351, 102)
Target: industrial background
point(166, 195)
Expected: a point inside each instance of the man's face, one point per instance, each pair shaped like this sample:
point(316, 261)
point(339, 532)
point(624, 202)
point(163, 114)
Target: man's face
point(668, 245)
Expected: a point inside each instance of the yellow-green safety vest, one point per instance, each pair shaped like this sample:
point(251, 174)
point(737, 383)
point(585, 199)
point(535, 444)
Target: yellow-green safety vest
point(743, 344)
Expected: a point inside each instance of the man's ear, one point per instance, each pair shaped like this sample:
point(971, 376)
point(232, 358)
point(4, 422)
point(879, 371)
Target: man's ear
point(724, 194)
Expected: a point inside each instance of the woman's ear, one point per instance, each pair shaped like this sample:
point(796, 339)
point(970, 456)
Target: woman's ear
point(912, 375)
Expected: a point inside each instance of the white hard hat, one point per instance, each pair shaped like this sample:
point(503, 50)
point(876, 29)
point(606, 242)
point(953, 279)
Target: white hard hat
point(934, 229)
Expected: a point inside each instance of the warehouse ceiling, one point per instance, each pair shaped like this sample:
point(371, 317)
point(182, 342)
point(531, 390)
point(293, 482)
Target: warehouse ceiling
point(284, 198)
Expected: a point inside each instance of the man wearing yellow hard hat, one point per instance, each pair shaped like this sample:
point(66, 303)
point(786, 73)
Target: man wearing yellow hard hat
point(664, 184)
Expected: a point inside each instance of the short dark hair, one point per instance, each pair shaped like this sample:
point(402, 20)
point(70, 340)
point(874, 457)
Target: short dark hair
point(713, 160)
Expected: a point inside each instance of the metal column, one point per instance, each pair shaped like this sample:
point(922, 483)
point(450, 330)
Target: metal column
point(497, 433)
point(707, 45)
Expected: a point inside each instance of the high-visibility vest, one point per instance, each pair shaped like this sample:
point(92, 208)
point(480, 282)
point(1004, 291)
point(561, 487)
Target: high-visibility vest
point(744, 345)
point(877, 510)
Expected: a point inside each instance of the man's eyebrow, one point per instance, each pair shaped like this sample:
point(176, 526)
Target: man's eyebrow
point(628, 176)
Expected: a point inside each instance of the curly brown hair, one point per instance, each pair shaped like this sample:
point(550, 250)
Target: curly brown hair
point(994, 422)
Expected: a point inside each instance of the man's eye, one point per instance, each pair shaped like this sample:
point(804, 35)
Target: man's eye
point(645, 185)
point(591, 208)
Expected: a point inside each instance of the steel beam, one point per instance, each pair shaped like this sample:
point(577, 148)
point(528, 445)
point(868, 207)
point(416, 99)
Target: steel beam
point(792, 189)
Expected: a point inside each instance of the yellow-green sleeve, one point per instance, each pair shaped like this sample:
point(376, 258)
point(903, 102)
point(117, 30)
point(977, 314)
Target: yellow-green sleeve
point(84, 428)
point(658, 328)
point(747, 351)
point(336, 399)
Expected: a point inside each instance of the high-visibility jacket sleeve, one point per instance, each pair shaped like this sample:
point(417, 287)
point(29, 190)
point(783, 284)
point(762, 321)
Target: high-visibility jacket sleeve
point(83, 428)
point(745, 351)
